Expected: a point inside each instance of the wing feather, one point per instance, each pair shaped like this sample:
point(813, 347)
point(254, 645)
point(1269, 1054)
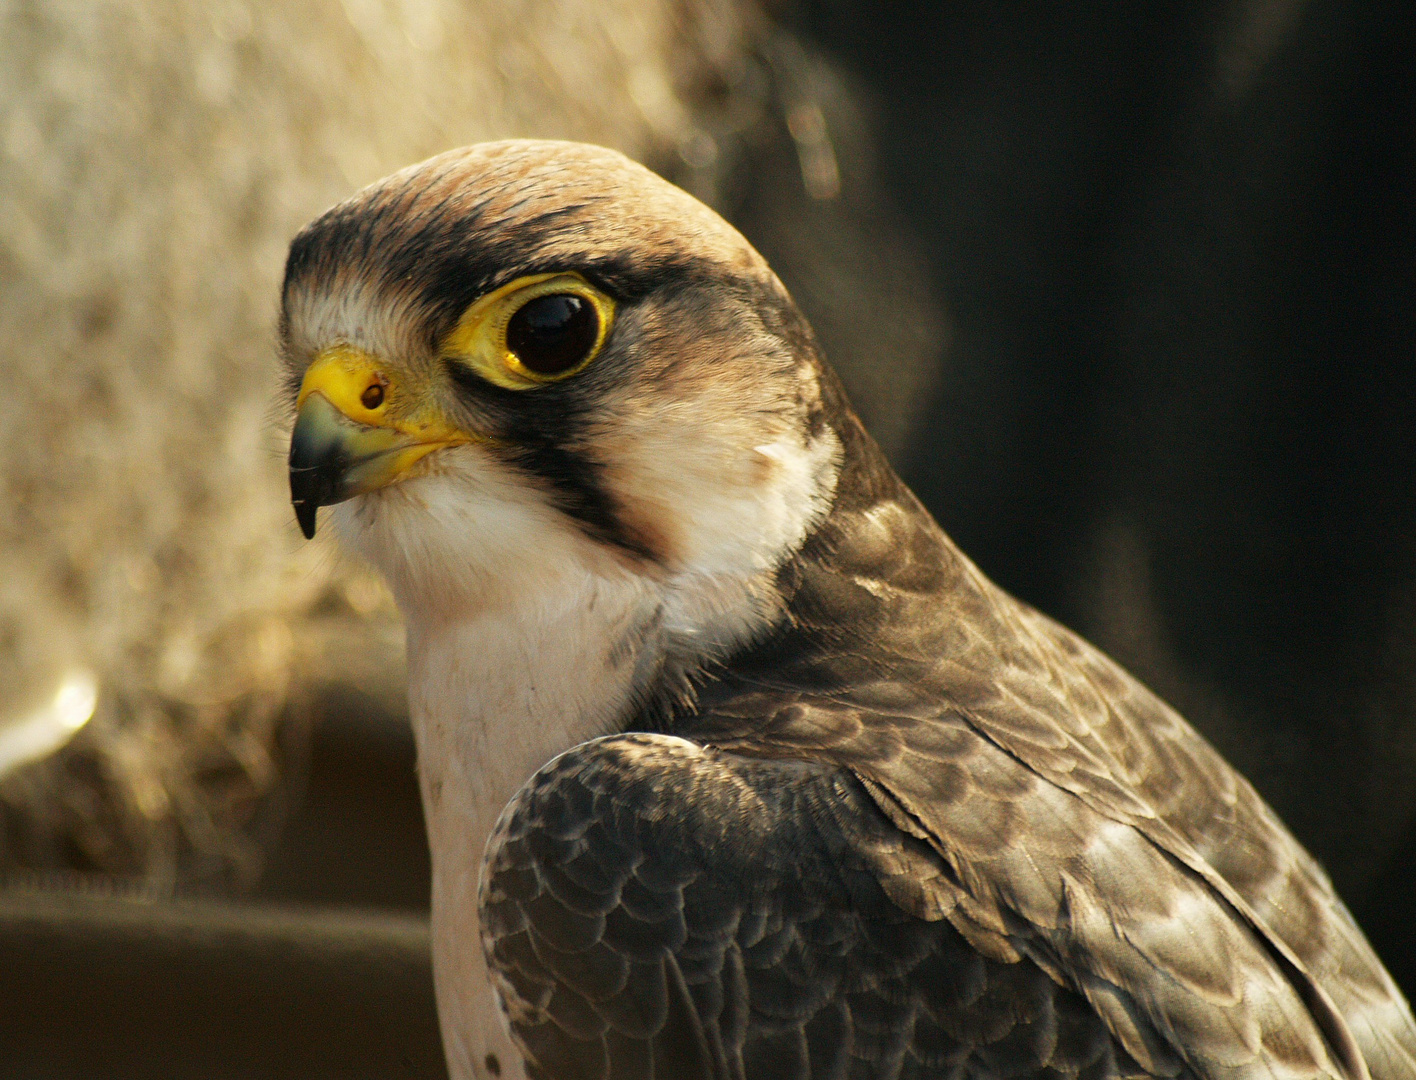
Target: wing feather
point(957, 659)
point(765, 944)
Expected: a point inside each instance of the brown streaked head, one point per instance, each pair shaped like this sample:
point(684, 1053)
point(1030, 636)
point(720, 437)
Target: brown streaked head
point(554, 320)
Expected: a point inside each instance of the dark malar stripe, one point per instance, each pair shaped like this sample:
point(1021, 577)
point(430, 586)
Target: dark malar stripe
point(527, 439)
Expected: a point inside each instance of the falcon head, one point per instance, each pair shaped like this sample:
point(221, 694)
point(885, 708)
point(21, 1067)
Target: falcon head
point(525, 362)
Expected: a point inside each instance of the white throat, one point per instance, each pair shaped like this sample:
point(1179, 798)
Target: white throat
point(519, 633)
point(527, 637)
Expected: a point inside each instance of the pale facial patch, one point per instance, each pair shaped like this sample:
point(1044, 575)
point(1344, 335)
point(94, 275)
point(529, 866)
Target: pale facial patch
point(711, 458)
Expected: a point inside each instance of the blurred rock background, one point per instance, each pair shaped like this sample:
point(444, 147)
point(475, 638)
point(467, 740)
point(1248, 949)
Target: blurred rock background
point(1126, 290)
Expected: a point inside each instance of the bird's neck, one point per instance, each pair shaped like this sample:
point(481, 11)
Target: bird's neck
point(495, 691)
point(498, 689)
point(876, 583)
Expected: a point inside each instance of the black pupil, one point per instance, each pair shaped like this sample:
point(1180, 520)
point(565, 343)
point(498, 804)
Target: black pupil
point(552, 334)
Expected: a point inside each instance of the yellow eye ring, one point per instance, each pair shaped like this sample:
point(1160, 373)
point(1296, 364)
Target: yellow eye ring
point(532, 331)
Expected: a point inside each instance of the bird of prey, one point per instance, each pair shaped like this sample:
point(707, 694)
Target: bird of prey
point(733, 765)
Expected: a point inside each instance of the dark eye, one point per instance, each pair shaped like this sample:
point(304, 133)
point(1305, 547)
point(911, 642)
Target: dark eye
point(553, 333)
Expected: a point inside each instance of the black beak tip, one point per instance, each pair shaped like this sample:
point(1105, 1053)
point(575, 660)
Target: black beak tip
point(305, 514)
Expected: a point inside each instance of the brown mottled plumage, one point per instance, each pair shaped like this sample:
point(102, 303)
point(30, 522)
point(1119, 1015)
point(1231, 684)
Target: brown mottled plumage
point(824, 802)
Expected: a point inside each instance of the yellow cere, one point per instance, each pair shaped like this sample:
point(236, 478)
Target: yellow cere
point(342, 374)
point(479, 338)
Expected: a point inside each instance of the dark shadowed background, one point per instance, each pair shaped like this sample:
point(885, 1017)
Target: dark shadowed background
point(1128, 291)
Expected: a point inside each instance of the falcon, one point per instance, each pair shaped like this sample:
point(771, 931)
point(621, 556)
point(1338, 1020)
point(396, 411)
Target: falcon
point(734, 767)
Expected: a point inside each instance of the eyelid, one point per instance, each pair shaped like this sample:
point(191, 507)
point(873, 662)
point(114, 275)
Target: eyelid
point(479, 338)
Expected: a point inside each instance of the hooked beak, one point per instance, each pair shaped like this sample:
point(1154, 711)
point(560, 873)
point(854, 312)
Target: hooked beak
point(351, 436)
